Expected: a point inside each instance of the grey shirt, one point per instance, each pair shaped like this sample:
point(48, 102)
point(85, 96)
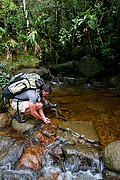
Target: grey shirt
point(28, 95)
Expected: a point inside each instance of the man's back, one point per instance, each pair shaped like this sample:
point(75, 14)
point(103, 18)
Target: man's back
point(29, 95)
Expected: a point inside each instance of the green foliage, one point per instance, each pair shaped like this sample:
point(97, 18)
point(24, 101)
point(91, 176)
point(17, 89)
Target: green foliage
point(8, 5)
point(28, 61)
point(91, 21)
point(4, 76)
point(32, 36)
point(2, 32)
point(58, 25)
point(4, 79)
point(64, 36)
point(11, 45)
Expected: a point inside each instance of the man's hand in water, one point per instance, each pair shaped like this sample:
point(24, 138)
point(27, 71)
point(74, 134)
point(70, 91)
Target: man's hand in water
point(46, 120)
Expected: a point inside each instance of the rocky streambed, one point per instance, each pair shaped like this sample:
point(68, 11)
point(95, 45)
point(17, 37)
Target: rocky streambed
point(38, 151)
point(72, 147)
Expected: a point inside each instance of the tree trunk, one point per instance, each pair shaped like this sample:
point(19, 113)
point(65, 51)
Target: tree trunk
point(26, 20)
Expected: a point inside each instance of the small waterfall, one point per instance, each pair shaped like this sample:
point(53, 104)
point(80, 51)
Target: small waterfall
point(54, 166)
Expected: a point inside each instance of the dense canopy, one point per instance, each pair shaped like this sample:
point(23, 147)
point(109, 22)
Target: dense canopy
point(51, 29)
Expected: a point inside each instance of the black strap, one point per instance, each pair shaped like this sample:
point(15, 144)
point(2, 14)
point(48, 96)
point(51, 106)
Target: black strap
point(19, 99)
point(3, 104)
point(18, 107)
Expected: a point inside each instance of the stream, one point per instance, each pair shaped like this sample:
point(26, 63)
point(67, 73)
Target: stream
point(54, 153)
point(99, 106)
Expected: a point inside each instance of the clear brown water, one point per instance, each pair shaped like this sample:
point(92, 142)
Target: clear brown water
point(100, 106)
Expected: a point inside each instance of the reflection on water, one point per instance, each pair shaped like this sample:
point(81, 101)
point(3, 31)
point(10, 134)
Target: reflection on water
point(100, 106)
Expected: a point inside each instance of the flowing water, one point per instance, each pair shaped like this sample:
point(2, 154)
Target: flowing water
point(68, 172)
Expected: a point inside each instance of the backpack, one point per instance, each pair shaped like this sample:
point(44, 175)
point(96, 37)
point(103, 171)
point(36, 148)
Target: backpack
point(20, 83)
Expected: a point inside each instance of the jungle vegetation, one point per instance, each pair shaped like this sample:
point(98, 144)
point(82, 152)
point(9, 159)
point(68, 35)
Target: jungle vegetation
point(48, 30)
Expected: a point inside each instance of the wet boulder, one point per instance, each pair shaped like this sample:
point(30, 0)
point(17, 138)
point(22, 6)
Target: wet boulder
point(42, 71)
point(11, 174)
point(30, 123)
point(49, 130)
point(81, 149)
point(81, 157)
point(5, 120)
point(45, 135)
point(32, 157)
point(77, 52)
point(111, 156)
point(90, 67)
point(110, 175)
point(10, 151)
point(115, 81)
point(64, 68)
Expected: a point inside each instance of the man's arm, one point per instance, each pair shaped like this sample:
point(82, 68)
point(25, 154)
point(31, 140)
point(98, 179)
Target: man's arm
point(40, 115)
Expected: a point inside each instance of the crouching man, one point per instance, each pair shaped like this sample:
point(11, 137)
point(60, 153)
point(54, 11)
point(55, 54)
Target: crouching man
point(32, 101)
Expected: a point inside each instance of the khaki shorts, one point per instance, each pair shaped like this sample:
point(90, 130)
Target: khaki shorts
point(21, 106)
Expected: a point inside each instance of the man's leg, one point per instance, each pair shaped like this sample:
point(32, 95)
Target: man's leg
point(20, 107)
point(19, 117)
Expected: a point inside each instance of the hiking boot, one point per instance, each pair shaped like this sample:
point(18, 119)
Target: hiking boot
point(50, 106)
point(19, 118)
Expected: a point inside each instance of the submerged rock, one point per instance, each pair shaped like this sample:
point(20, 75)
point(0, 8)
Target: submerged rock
point(67, 137)
point(49, 130)
point(81, 128)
